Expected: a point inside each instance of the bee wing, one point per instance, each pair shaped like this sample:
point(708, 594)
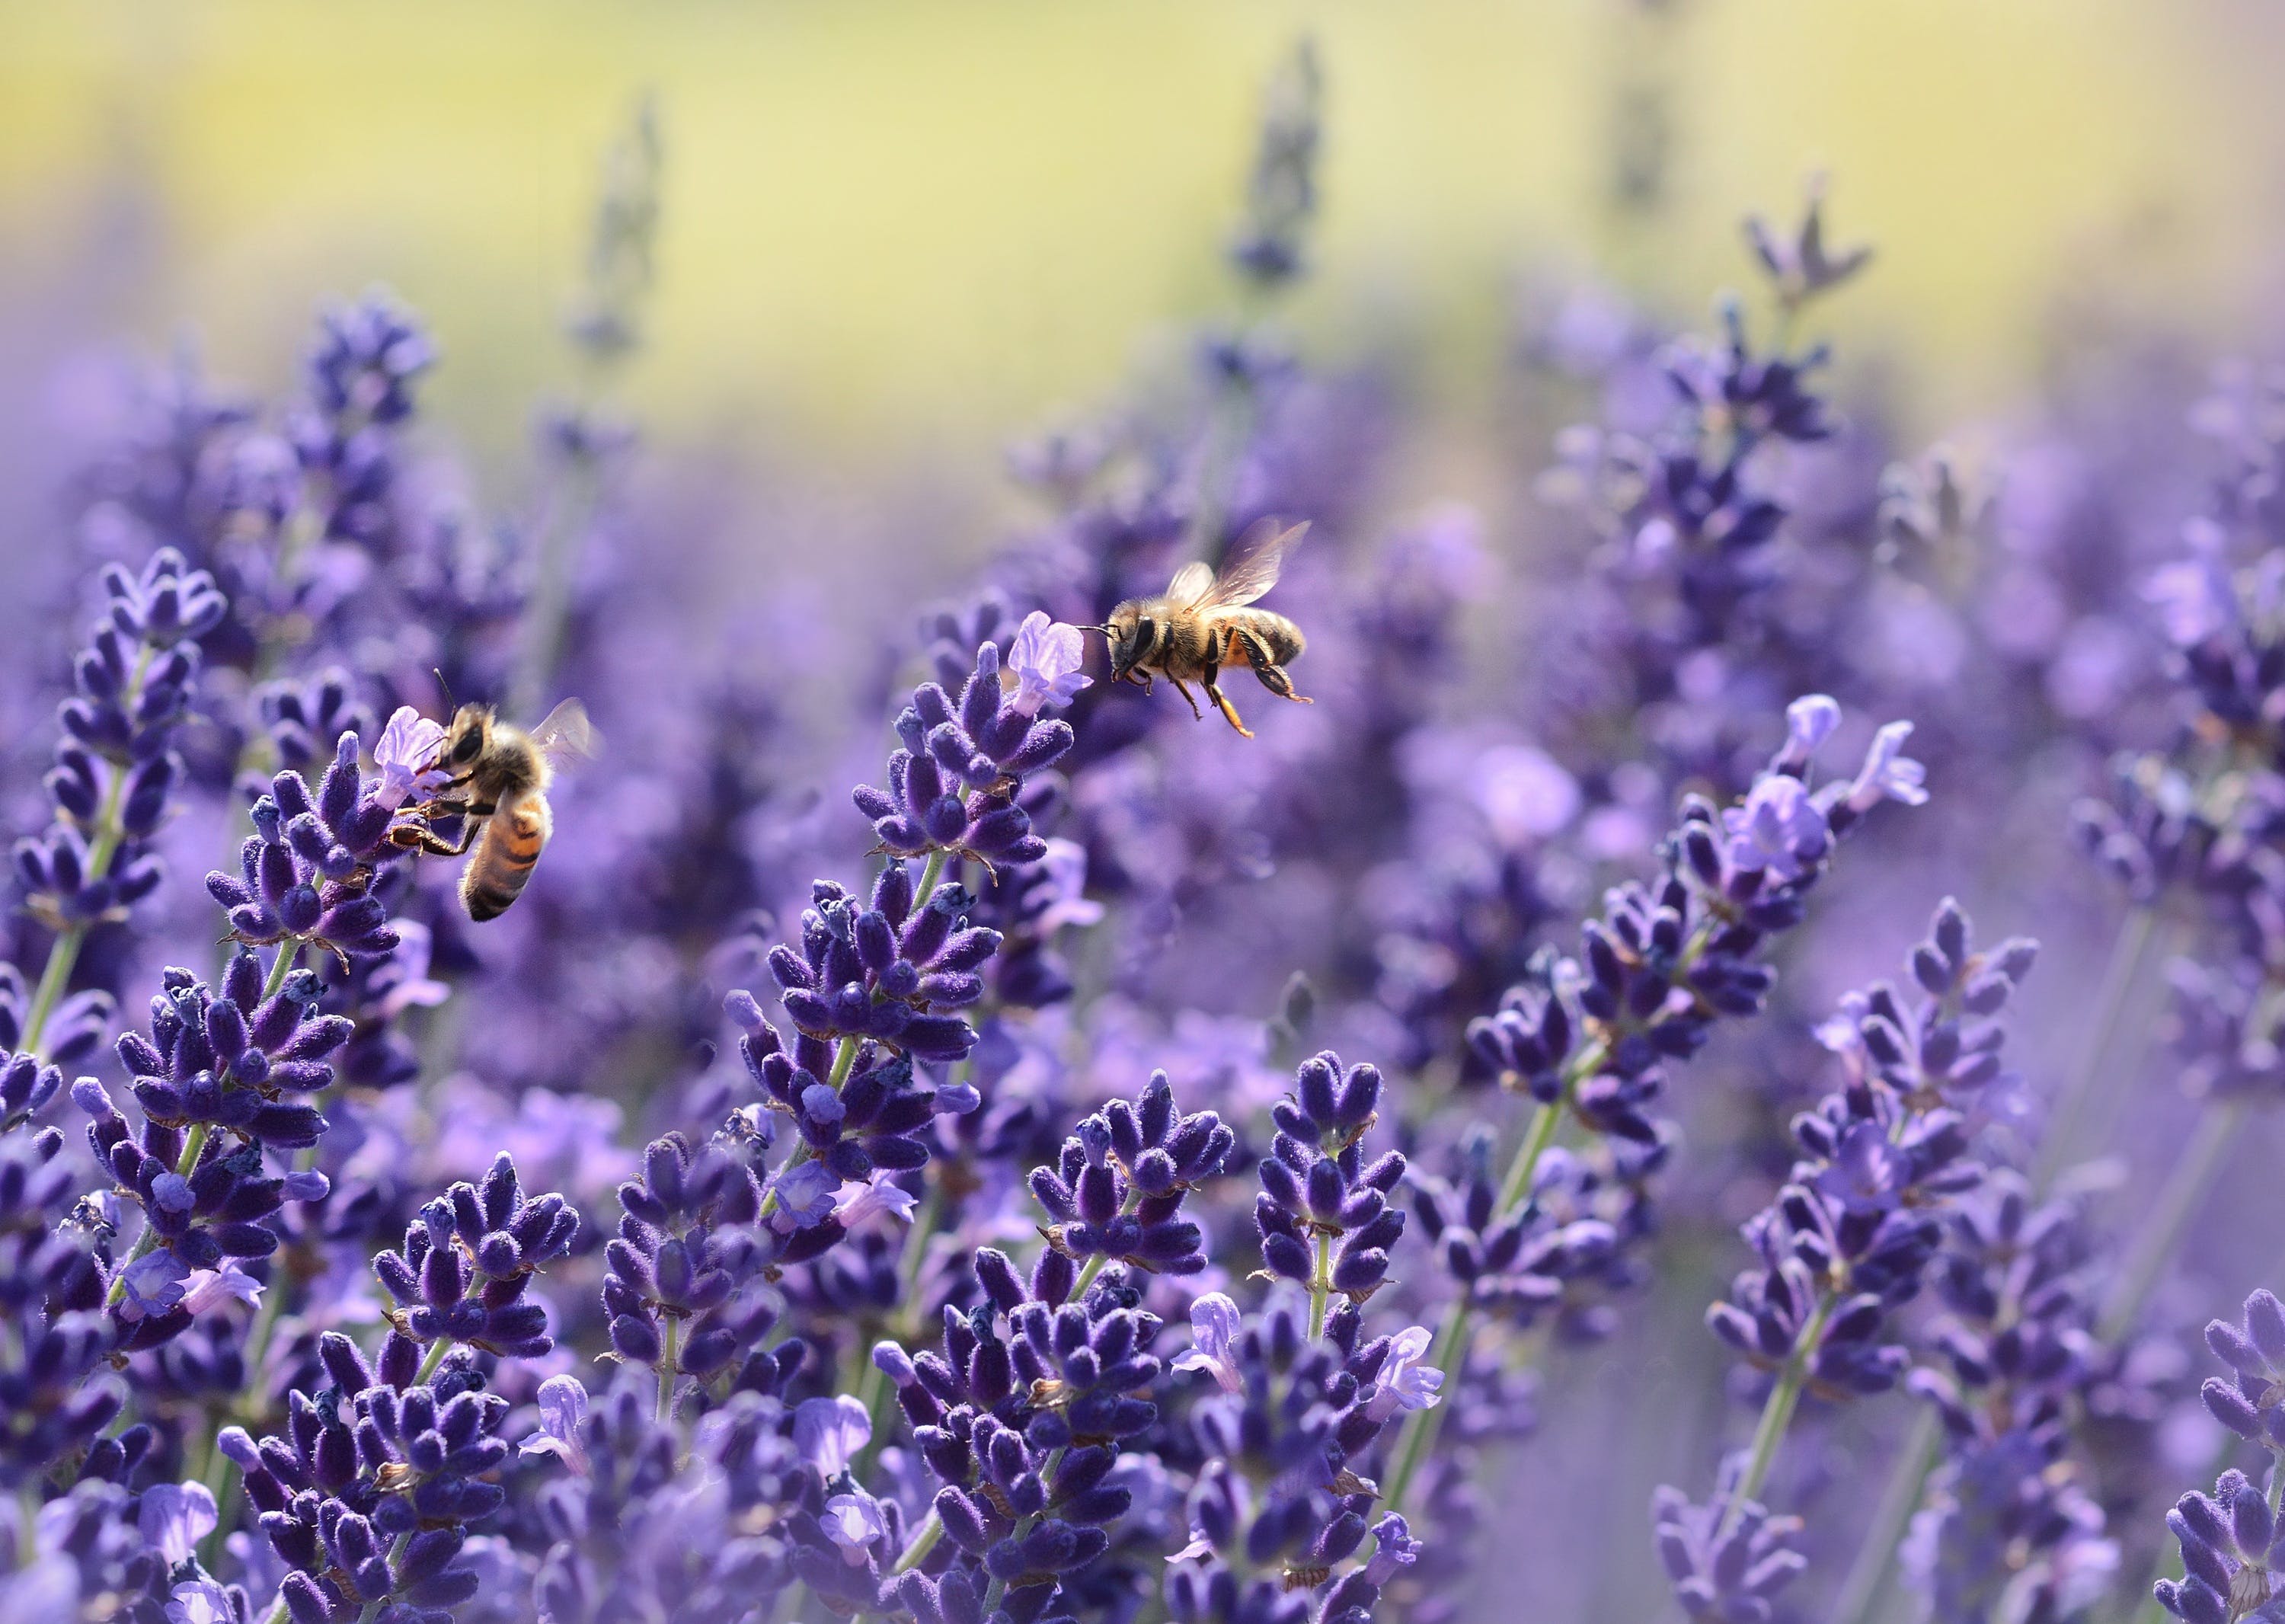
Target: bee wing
point(1254, 571)
point(566, 735)
point(1192, 583)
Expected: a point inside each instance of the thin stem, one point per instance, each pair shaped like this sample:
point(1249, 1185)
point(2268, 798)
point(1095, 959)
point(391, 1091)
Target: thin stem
point(280, 967)
point(872, 1383)
point(1890, 1520)
point(551, 598)
point(1777, 1415)
point(923, 1540)
point(2177, 1203)
point(2128, 951)
point(193, 1146)
point(667, 1382)
point(931, 874)
point(110, 834)
point(1536, 1139)
point(436, 1352)
point(1449, 1351)
point(1320, 1284)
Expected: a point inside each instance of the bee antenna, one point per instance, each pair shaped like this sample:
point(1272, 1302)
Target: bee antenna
point(443, 686)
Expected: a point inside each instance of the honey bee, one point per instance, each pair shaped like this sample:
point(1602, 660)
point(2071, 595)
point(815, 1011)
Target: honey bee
point(497, 782)
point(1201, 624)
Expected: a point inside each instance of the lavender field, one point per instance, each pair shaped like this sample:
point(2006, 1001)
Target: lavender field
point(1634, 975)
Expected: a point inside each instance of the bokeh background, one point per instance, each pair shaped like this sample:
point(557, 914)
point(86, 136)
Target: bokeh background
point(894, 234)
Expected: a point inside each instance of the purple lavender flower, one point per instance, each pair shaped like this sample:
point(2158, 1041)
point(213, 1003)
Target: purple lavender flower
point(461, 1273)
point(115, 770)
point(1043, 665)
point(2233, 1551)
point(1728, 1558)
point(562, 1422)
point(1117, 1187)
point(953, 787)
point(1214, 1325)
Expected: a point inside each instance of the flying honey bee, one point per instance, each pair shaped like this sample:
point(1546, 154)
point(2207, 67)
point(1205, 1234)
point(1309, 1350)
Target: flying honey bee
point(496, 785)
point(1201, 624)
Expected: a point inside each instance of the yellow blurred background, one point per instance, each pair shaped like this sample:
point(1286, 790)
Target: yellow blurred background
point(917, 227)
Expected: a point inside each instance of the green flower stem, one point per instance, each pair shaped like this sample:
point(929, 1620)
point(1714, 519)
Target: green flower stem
point(1320, 1284)
point(110, 833)
point(667, 1379)
point(2190, 1182)
point(1449, 1351)
point(1862, 1589)
point(2129, 951)
point(1777, 1413)
point(923, 1540)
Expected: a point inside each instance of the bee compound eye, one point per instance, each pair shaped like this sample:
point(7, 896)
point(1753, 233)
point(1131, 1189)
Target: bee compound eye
point(466, 748)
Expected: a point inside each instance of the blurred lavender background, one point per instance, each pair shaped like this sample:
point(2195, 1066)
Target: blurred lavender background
point(1721, 1067)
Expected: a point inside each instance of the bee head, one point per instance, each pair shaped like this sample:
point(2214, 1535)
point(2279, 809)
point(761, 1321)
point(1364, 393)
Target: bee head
point(465, 739)
point(1122, 634)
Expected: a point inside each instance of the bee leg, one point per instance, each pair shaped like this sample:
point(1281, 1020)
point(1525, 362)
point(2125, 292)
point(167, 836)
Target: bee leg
point(1272, 674)
point(1221, 702)
point(1182, 689)
point(419, 838)
point(414, 837)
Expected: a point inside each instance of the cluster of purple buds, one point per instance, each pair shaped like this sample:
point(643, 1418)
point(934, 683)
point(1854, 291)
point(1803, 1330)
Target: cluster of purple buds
point(461, 1273)
point(102, 1549)
point(1726, 1567)
point(215, 1064)
point(2251, 1404)
point(887, 972)
point(1280, 192)
point(2233, 1555)
point(1668, 960)
point(306, 874)
point(114, 770)
point(368, 1495)
point(1117, 1187)
point(645, 1521)
point(2008, 1518)
point(1943, 1042)
point(681, 1280)
point(229, 1057)
point(1019, 1413)
point(1554, 1254)
point(2161, 830)
point(953, 787)
point(2228, 655)
point(873, 1118)
point(1323, 1212)
point(303, 716)
point(1279, 1505)
point(1854, 1231)
point(49, 1291)
point(360, 375)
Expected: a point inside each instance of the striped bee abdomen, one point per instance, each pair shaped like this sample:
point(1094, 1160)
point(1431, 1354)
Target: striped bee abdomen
point(504, 856)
